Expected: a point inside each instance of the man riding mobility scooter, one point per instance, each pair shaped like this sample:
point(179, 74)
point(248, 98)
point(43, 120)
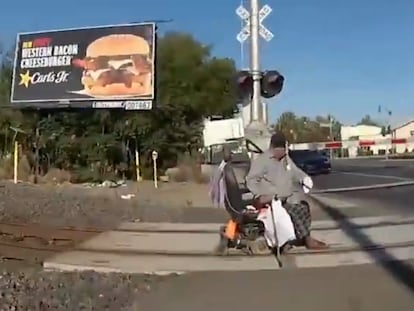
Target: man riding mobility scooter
point(246, 230)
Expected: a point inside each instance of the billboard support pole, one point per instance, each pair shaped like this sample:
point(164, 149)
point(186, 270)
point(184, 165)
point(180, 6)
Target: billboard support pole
point(37, 153)
point(138, 173)
point(16, 162)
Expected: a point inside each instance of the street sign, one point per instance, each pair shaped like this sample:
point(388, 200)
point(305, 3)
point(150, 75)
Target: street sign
point(325, 124)
point(244, 14)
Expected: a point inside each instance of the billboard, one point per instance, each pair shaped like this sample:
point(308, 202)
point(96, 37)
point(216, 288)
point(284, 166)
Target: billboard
point(105, 66)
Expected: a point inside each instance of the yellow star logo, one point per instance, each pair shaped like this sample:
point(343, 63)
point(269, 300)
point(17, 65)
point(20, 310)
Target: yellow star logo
point(25, 79)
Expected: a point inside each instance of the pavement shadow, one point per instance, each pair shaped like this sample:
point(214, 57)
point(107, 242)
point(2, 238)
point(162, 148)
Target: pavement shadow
point(399, 270)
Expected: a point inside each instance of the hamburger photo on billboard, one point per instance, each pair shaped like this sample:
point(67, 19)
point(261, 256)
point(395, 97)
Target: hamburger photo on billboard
point(117, 65)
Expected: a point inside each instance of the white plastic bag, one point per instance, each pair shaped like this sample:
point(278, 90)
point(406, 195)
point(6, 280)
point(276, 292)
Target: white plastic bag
point(282, 222)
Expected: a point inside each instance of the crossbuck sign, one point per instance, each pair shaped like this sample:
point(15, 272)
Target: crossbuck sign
point(244, 34)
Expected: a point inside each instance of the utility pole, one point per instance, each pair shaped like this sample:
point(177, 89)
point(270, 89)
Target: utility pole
point(331, 136)
point(330, 127)
point(388, 127)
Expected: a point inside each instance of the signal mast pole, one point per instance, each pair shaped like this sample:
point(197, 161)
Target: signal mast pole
point(253, 16)
point(256, 106)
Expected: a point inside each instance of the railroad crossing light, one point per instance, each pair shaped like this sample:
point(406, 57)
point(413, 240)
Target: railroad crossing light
point(244, 85)
point(272, 83)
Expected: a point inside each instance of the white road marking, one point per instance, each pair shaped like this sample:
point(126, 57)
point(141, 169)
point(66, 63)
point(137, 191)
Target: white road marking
point(373, 175)
point(397, 160)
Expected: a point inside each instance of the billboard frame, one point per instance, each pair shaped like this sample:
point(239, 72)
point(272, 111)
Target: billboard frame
point(95, 103)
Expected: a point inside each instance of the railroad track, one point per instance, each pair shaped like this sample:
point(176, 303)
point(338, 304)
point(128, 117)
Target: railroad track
point(33, 242)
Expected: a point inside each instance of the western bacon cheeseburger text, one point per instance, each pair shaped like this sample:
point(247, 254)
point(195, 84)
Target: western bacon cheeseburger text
point(40, 53)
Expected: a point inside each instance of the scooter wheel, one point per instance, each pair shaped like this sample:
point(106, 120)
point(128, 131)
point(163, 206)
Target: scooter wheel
point(259, 247)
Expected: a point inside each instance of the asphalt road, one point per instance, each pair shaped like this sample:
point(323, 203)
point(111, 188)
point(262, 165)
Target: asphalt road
point(351, 288)
point(374, 161)
point(387, 201)
point(402, 168)
point(403, 195)
point(346, 173)
point(364, 172)
point(357, 172)
point(346, 179)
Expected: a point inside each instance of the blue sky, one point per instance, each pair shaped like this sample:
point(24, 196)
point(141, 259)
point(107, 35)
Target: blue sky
point(339, 57)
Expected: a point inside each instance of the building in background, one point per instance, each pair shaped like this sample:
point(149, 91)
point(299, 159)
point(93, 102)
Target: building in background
point(364, 132)
point(405, 130)
point(367, 140)
point(361, 132)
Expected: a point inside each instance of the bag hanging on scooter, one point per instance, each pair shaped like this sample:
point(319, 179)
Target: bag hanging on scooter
point(282, 224)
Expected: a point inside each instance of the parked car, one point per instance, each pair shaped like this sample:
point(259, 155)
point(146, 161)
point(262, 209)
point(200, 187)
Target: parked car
point(311, 162)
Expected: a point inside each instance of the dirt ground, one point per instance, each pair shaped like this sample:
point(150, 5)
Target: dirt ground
point(103, 207)
point(186, 194)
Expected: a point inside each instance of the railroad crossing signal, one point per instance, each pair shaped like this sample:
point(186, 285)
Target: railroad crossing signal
point(244, 14)
point(271, 82)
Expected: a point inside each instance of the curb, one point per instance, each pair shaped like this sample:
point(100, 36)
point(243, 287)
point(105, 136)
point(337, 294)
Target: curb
point(235, 255)
point(62, 267)
point(369, 187)
point(331, 225)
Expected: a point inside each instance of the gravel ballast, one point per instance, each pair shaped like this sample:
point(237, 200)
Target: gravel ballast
point(25, 203)
point(39, 291)
point(28, 288)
